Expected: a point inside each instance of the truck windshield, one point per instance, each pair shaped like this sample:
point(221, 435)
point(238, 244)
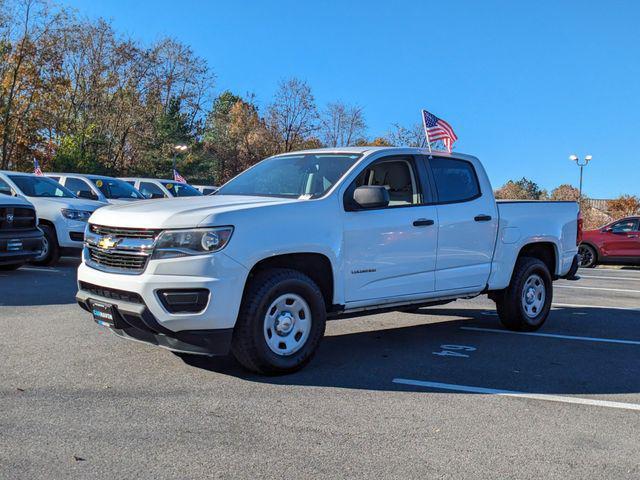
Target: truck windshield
point(32, 186)
point(291, 176)
point(114, 188)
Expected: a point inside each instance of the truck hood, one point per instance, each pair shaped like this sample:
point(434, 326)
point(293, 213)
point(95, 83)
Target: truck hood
point(186, 212)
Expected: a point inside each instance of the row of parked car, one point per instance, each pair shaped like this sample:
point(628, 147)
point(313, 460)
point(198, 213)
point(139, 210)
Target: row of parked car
point(43, 217)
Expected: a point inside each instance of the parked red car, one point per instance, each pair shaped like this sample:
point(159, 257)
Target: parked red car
point(617, 243)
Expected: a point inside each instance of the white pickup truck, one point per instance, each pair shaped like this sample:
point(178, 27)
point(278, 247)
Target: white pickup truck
point(257, 268)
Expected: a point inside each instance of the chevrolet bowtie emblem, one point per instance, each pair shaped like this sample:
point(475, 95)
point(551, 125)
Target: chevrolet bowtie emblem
point(107, 243)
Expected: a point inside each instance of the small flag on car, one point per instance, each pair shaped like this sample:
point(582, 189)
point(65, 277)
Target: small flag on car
point(177, 177)
point(36, 168)
point(437, 129)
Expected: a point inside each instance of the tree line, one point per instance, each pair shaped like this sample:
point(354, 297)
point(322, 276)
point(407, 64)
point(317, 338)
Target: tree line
point(78, 96)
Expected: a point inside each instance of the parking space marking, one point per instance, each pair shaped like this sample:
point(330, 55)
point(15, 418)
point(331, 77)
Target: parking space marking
point(598, 288)
point(573, 305)
point(513, 393)
point(554, 335)
point(637, 279)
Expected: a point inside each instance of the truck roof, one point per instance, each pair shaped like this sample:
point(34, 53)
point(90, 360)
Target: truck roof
point(372, 149)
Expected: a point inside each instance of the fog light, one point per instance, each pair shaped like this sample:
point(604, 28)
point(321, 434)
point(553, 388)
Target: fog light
point(184, 300)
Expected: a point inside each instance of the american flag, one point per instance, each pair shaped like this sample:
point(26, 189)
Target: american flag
point(437, 129)
point(177, 177)
point(36, 168)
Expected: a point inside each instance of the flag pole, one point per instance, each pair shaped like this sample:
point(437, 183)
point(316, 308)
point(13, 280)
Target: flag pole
point(426, 131)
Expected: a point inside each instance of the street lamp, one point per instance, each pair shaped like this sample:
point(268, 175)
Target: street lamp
point(581, 164)
point(178, 149)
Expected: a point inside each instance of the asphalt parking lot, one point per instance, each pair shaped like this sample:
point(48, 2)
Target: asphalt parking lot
point(442, 393)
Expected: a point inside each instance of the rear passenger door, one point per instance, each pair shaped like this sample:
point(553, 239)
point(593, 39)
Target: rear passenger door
point(468, 223)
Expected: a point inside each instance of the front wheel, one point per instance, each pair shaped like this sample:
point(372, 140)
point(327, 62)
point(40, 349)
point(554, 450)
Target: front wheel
point(526, 302)
point(281, 322)
point(588, 256)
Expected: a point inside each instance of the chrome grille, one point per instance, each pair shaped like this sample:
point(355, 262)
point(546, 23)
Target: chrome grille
point(124, 232)
point(119, 250)
point(117, 260)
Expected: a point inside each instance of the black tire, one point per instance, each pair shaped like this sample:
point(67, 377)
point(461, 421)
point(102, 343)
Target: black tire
point(588, 256)
point(532, 274)
point(10, 267)
point(51, 255)
point(249, 344)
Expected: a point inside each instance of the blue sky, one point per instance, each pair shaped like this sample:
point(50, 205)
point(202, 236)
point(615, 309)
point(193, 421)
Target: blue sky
point(524, 84)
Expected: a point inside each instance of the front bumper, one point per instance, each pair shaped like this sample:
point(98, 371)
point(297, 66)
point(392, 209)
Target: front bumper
point(30, 243)
point(145, 318)
point(134, 321)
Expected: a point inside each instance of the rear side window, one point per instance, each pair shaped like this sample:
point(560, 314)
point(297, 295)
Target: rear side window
point(456, 180)
point(625, 226)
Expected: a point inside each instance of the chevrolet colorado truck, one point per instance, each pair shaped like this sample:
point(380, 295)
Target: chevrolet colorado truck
point(20, 238)
point(301, 237)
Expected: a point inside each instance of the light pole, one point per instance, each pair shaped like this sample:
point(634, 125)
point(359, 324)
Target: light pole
point(581, 164)
point(177, 150)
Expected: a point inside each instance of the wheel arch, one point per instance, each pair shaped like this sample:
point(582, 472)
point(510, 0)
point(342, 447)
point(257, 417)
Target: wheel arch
point(545, 251)
point(316, 266)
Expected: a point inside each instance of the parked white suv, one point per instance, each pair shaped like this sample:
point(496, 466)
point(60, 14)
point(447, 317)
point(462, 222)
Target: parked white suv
point(160, 188)
point(206, 189)
point(61, 216)
point(258, 267)
point(97, 187)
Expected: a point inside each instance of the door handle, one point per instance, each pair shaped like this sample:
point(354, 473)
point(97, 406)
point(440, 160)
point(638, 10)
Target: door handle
point(482, 218)
point(423, 222)
point(632, 236)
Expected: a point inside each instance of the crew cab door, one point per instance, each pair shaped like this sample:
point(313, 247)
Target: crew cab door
point(391, 252)
point(468, 223)
point(622, 239)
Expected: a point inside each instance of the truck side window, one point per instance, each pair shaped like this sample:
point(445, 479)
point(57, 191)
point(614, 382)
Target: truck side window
point(80, 188)
point(5, 189)
point(397, 175)
point(151, 190)
point(456, 180)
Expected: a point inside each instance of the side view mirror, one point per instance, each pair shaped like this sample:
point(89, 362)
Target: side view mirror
point(371, 197)
point(152, 196)
point(86, 194)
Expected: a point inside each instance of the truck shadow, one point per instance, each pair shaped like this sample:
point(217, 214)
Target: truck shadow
point(371, 359)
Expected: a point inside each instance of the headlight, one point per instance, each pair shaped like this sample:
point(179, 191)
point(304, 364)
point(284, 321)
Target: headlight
point(181, 243)
point(80, 215)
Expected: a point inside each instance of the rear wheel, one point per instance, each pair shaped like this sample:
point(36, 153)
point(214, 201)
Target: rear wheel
point(281, 322)
point(50, 249)
point(588, 256)
point(526, 302)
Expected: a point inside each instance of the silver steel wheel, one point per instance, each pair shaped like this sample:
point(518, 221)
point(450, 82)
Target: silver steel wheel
point(45, 250)
point(533, 296)
point(287, 324)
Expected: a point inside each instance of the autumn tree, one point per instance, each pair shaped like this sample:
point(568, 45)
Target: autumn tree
point(235, 136)
point(292, 117)
point(523, 189)
point(565, 192)
point(624, 206)
point(342, 125)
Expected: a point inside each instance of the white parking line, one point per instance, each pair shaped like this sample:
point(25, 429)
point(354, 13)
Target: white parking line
point(598, 288)
point(637, 279)
point(554, 335)
point(573, 305)
point(512, 393)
